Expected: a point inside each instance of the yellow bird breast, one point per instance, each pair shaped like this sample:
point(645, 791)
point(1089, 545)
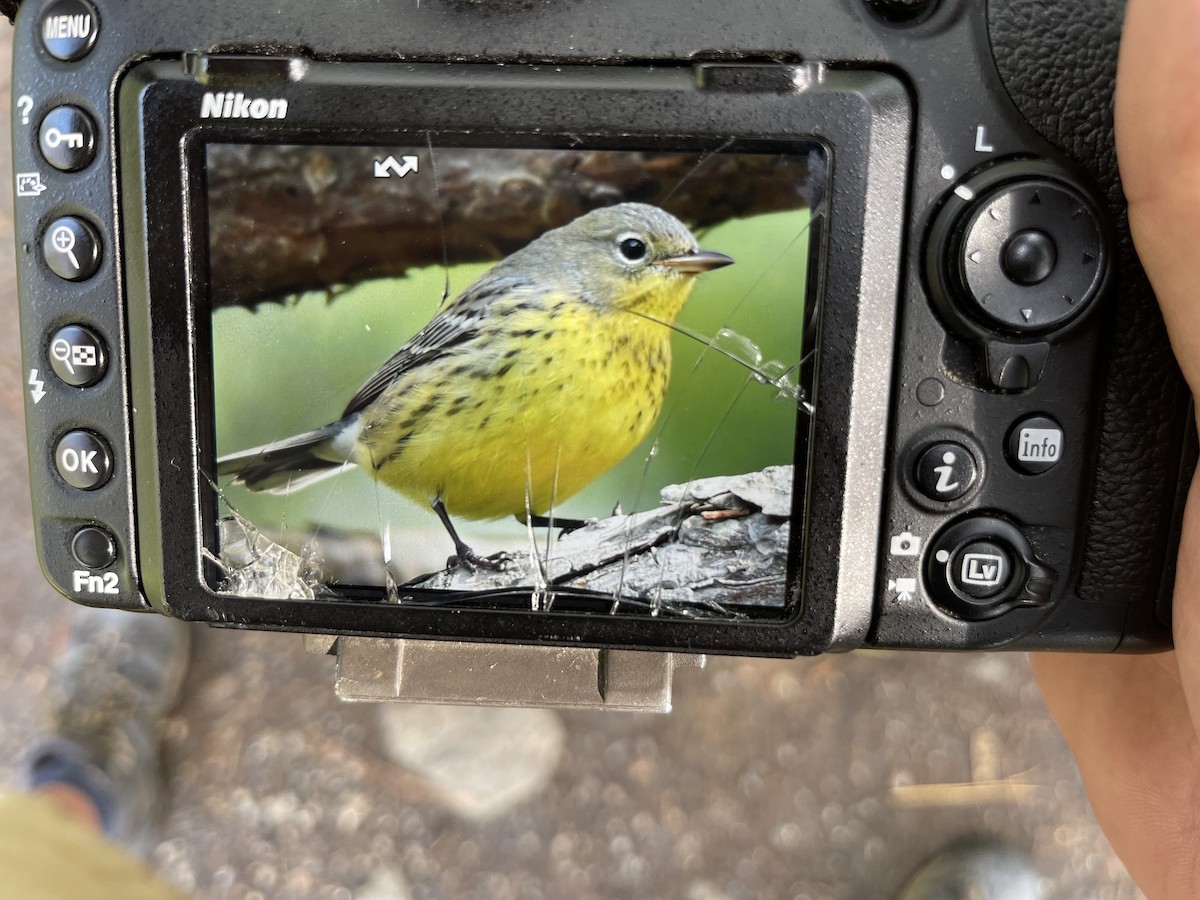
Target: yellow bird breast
point(532, 411)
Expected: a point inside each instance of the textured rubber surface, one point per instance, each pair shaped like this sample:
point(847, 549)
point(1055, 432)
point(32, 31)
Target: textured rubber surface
point(1052, 81)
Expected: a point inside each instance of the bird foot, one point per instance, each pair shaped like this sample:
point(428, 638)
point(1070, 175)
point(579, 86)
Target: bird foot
point(468, 559)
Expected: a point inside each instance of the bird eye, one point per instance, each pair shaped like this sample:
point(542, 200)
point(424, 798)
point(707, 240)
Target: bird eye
point(632, 248)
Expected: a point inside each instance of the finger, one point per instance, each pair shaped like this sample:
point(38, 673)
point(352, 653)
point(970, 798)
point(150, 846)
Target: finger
point(1126, 721)
point(1186, 606)
point(1158, 147)
point(1129, 720)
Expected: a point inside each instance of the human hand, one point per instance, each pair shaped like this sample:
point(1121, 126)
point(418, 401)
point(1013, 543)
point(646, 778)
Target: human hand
point(1133, 722)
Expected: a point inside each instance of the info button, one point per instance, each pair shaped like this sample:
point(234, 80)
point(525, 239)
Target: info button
point(1035, 444)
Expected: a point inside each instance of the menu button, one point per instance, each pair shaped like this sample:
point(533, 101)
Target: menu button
point(68, 29)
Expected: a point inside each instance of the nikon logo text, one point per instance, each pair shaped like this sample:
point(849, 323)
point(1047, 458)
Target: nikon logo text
point(225, 105)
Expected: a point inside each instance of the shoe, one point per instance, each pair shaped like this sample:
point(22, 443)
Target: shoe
point(975, 869)
point(120, 673)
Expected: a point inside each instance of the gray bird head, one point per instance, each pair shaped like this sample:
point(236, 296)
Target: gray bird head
point(614, 255)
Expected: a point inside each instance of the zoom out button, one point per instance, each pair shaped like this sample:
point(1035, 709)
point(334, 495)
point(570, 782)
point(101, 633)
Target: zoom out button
point(78, 356)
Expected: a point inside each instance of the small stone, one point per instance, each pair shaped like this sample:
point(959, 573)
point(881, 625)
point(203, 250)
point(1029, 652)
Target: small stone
point(481, 761)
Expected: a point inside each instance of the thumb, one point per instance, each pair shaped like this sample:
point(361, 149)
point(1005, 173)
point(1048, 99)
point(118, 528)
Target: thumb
point(1158, 147)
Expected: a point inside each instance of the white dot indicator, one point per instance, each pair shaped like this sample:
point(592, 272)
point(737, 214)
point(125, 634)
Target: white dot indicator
point(942, 556)
point(948, 172)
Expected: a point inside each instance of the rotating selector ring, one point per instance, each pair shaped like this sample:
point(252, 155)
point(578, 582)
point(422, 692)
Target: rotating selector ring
point(982, 567)
point(1018, 249)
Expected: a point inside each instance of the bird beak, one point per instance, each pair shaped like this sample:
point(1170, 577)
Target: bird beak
point(699, 261)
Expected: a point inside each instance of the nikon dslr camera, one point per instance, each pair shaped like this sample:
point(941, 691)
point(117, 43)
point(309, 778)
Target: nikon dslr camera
point(622, 327)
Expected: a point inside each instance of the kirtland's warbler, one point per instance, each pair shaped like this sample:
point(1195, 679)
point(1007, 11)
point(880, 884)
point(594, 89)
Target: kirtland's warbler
point(539, 377)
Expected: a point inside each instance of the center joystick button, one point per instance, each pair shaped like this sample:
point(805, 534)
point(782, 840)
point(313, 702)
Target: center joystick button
point(945, 471)
point(982, 569)
point(1029, 257)
point(84, 460)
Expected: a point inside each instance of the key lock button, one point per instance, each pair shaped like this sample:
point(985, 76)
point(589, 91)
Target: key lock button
point(67, 138)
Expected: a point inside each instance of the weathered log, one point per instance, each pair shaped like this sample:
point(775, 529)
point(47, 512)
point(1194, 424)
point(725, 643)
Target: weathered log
point(712, 544)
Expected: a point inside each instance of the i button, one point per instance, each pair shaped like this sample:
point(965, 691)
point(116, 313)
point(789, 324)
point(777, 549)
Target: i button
point(945, 471)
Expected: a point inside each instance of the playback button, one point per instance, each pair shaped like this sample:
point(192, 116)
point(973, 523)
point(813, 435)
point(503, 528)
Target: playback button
point(78, 356)
point(84, 460)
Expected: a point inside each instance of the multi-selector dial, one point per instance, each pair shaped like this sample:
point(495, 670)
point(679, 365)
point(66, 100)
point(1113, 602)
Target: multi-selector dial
point(1016, 253)
point(1029, 257)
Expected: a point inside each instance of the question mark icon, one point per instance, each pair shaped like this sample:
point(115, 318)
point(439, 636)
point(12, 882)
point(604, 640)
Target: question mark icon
point(25, 104)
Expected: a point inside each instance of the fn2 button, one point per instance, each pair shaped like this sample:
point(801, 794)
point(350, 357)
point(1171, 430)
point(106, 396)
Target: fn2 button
point(93, 547)
point(945, 471)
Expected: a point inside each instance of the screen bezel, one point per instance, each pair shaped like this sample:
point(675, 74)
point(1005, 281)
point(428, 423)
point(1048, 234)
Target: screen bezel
point(861, 119)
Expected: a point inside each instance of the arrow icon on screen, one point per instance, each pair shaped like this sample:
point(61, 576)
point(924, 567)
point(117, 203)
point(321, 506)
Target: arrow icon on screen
point(389, 167)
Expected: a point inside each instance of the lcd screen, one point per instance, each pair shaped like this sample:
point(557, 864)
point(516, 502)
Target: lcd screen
point(571, 378)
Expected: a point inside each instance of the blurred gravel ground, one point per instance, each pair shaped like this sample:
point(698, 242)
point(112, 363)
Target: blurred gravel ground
point(826, 778)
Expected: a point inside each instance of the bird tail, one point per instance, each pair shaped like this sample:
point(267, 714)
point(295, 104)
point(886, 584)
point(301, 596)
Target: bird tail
point(291, 464)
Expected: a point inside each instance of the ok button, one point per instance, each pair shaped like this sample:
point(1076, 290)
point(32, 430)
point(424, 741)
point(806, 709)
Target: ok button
point(84, 460)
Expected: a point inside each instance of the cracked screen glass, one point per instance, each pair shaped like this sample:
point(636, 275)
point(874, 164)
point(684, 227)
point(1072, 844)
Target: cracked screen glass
point(570, 379)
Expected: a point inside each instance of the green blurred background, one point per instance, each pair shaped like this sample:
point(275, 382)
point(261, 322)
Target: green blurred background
point(289, 367)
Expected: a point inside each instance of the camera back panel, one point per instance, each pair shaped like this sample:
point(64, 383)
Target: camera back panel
point(973, 464)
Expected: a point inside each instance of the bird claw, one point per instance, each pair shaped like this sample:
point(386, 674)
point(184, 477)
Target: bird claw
point(468, 559)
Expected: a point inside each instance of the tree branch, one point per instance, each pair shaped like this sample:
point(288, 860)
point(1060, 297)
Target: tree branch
point(284, 220)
